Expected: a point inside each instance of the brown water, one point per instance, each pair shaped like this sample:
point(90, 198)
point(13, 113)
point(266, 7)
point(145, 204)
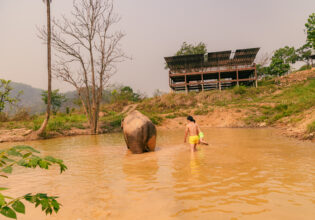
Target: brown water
point(243, 174)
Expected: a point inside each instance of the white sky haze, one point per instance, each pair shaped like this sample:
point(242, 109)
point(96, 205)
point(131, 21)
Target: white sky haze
point(154, 29)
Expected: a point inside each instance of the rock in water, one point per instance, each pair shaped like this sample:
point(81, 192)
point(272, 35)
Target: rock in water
point(139, 132)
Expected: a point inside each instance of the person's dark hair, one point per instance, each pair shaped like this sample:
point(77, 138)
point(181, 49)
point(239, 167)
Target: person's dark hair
point(190, 118)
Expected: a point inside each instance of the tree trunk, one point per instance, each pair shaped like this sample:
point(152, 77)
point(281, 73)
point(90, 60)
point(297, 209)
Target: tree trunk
point(94, 111)
point(44, 124)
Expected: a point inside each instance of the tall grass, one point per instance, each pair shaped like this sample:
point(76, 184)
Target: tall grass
point(61, 122)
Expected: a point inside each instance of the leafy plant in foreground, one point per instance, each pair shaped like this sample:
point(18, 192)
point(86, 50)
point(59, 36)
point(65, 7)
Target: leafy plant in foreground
point(28, 157)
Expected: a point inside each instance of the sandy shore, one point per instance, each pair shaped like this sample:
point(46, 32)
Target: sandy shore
point(234, 118)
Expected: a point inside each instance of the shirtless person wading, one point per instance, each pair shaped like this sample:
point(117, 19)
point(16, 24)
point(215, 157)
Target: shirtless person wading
point(193, 130)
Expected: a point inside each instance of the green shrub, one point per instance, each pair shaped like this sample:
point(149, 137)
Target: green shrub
point(116, 121)
point(239, 90)
point(176, 115)
point(202, 111)
point(58, 124)
point(37, 123)
point(311, 127)
point(76, 118)
point(261, 118)
point(221, 103)
point(305, 67)
point(157, 120)
point(61, 122)
point(171, 116)
point(267, 81)
point(281, 107)
point(78, 125)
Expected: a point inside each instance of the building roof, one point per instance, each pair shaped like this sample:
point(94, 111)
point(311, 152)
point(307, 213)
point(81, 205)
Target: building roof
point(213, 59)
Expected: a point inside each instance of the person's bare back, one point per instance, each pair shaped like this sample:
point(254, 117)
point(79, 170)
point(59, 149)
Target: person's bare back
point(193, 129)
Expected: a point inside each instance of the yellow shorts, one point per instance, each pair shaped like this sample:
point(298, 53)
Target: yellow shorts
point(194, 139)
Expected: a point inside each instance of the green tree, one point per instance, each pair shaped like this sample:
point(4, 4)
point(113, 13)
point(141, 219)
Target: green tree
point(56, 99)
point(28, 157)
point(281, 60)
point(262, 70)
point(304, 53)
point(125, 94)
point(48, 39)
point(5, 90)
point(278, 67)
point(287, 54)
point(188, 49)
point(310, 30)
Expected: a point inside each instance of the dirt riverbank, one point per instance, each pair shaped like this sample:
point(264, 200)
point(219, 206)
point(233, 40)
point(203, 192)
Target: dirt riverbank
point(218, 118)
point(236, 118)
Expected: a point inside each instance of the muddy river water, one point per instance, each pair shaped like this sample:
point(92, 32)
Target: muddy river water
point(242, 174)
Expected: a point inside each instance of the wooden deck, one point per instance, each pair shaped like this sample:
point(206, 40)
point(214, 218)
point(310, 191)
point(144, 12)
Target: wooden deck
point(213, 79)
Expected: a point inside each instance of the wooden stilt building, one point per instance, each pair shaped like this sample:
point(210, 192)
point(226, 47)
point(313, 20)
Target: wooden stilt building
point(215, 70)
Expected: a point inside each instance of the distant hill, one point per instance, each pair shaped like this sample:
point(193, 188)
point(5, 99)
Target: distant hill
point(30, 99)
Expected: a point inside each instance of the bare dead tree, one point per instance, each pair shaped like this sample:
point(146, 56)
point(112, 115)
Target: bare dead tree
point(88, 50)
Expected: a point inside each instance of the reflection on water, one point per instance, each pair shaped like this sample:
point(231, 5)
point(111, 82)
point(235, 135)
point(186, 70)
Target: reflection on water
point(243, 174)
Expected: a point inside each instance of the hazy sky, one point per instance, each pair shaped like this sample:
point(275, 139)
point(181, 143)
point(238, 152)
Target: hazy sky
point(154, 28)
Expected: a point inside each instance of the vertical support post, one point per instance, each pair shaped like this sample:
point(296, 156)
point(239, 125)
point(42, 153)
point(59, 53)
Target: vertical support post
point(256, 80)
point(202, 82)
point(170, 80)
point(186, 89)
point(237, 78)
point(220, 81)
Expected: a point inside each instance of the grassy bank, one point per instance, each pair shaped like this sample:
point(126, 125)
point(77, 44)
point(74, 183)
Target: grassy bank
point(57, 123)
